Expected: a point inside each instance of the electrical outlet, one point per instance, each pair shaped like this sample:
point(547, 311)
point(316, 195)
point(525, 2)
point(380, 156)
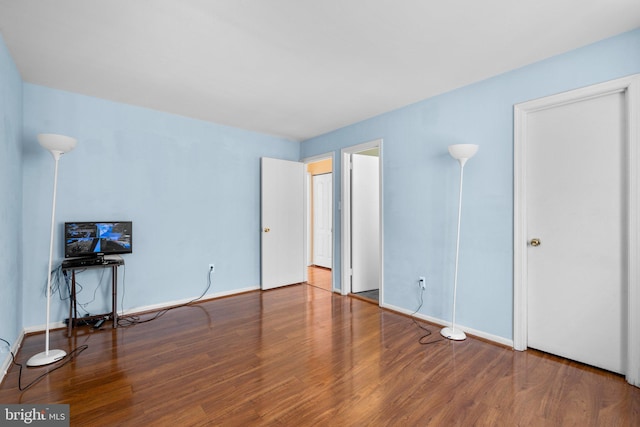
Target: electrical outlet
point(422, 282)
point(212, 267)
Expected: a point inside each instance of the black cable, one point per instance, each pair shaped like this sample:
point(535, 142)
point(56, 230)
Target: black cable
point(126, 321)
point(427, 330)
point(67, 281)
point(79, 288)
point(68, 358)
point(95, 291)
point(58, 277)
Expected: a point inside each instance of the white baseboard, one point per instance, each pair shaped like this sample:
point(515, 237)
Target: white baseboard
point(4, 367)
point(168, 304)
point(437, 321)
point(490, 337)
point(153, 307)
point(40, 328)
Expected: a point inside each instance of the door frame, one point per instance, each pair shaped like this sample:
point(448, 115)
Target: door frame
point(630, 86)
point(345, 214)
point(311, 216)
point(307, 213)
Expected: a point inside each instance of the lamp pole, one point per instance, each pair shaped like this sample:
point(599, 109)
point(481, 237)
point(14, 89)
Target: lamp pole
point(57, 145)
point(462, 153)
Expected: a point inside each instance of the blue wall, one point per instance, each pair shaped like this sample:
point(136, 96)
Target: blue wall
point(191, 188)
point(10, 197)
point(421, 182)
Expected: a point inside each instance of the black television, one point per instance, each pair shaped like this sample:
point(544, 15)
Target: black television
point(96, 239)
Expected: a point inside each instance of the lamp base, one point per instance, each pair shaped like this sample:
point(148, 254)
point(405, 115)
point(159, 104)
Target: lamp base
point(453, 334)
point(45, 358)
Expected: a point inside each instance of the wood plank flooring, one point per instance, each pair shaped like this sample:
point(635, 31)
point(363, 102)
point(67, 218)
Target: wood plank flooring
point(320, 277)
point(299, 356)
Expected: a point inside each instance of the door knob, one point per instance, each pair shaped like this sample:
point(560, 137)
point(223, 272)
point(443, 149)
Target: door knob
point(267, 229)
point(535, 242)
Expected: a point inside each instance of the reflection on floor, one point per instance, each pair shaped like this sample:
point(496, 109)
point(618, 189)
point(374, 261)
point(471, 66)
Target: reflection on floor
point(319, 277)
point(371, 295)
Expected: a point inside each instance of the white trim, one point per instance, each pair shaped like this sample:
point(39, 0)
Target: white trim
point(345, 214)
point(169, 304)
point(480, 334)
point(41, 328)
point(305, 216)
point(519, 233)
point(152, 307)
point(345, 230)
point(308, 182)
point(633, 296)
point(631, 86)
point(319, 157)
point(4, 367)
point(381, 216)
point(137, 310)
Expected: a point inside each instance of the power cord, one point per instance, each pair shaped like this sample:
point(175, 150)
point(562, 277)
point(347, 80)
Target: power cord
point(421, 340)
point(126, 321)
point(84, 305)
point(68, 358)
point(58, 277)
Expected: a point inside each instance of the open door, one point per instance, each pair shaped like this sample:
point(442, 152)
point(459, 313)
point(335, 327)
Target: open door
point(365, 223)
point(362, 230)
point(283, 228)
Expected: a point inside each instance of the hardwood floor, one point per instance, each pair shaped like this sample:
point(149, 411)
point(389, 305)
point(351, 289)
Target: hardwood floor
point(319, 277)
point(299, 356)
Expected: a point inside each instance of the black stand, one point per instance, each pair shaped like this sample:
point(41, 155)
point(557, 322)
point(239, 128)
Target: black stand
point(73, 304)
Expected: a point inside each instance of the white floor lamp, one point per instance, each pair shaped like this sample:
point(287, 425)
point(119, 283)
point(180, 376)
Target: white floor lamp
point(462, 153)
point(57, 145)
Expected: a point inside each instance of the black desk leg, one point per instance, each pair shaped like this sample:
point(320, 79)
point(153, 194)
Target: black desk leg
point(114, 295)
point(73, 308)
point(73, 304)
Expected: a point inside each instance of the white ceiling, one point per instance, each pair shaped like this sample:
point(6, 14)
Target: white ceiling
point(293, 68)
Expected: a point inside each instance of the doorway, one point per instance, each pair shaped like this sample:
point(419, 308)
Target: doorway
point(576, 226)
point(319, 219)
point(362, 230)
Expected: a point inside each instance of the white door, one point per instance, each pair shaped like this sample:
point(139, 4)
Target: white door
point(282, 216)
point(576, 177)
point(365, 223)
point(322, 219)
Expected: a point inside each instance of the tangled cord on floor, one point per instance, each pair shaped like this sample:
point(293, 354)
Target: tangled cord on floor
point(68, 358)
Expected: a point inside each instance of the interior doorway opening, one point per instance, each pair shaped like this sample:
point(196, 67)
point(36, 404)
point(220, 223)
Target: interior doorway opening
point(362, 230)
point(319, 220)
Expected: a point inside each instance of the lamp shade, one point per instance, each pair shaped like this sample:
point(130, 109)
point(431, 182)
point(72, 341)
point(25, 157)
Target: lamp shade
point(463, 151)
point(57, 143)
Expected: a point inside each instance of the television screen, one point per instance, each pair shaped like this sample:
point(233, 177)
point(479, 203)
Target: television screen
point(85, 239)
